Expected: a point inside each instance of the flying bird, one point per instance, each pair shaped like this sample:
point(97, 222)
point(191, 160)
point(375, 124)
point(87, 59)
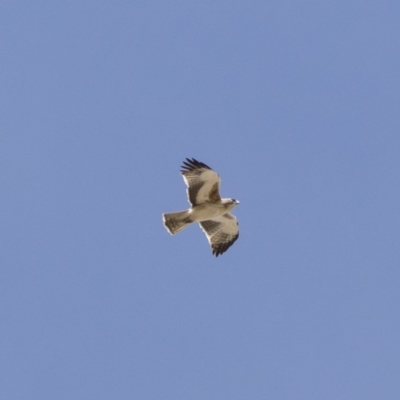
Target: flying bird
point(207, 208)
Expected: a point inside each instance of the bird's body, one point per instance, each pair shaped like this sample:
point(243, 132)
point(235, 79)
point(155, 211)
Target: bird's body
point(212, 212)
point(207, 210)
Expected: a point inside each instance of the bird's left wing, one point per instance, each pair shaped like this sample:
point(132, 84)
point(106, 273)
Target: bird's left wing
point(221, 232)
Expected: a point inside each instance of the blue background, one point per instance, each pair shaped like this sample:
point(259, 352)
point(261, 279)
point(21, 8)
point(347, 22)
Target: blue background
point(295, 104)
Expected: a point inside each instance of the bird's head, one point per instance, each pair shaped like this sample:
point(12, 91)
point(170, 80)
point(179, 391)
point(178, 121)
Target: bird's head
point(230, 203)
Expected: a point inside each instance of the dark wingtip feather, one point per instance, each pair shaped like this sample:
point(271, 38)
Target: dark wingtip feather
point(192, 165)
point(219, 250)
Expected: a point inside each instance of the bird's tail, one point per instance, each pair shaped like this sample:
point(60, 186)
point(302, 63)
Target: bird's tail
point(175, 222)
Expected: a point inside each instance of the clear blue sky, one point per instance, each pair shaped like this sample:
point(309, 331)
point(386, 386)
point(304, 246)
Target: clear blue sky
point(295, 104)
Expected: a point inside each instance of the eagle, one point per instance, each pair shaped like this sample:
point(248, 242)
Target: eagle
point(207, 208)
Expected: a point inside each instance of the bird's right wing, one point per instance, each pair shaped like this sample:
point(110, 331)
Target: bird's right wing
point(202, 182)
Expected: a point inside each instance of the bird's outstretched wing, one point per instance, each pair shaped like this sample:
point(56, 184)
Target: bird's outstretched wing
point(221, 232)
point(202, 182)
